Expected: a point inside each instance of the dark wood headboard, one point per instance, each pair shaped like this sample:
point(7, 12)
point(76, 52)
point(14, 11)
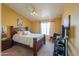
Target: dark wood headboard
point(14, 30)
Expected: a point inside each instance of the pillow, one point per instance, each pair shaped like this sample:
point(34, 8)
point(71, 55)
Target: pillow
point(29, 32)
point(26, 32)
point(20, 32)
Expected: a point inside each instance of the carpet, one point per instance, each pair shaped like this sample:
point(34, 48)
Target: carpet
point(46, 50)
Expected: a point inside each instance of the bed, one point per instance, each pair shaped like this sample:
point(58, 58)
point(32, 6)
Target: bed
point(32, 41)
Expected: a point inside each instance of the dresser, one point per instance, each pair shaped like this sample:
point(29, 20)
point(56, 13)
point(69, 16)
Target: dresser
point(6, 43)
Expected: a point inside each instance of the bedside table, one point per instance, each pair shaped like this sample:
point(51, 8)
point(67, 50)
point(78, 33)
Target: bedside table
point(6, 43)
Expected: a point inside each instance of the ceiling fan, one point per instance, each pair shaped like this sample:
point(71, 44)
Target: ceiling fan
point(33, 13)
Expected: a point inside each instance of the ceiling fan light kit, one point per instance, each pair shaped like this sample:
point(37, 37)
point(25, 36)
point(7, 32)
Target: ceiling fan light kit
point(34, 13)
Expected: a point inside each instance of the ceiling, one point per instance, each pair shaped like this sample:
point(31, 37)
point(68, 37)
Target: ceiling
point(45, 11)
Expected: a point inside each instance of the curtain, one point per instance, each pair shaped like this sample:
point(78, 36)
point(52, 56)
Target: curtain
point(45, 28)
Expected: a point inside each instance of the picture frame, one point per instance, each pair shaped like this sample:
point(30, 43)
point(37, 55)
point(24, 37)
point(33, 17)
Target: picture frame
point(19, 22)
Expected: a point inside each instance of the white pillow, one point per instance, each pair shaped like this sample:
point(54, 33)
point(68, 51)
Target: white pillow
point(20, 32)
point(26, 32)
point(29, 32)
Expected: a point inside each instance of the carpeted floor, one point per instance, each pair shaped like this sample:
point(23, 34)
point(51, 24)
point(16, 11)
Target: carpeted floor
point(46, 50)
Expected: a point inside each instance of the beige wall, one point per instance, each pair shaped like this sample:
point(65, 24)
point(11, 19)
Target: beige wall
point(9, 18)
point(0, 28)
point(35, 26)
point(57, 25)
point(73, 10)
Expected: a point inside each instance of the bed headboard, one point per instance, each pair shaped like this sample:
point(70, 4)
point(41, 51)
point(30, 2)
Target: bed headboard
point(27, 29)
point(14, 30)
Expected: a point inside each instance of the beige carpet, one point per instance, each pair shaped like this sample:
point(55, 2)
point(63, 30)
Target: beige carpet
point(46, 50)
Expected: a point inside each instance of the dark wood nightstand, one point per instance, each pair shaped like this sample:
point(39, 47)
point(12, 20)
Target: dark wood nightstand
point(6, 43)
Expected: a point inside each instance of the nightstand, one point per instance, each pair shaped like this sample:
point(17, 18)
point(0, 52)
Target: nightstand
point(6, 43)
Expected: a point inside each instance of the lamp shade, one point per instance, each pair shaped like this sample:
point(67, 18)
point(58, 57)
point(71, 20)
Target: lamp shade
point(4, 29)
point(67, 21)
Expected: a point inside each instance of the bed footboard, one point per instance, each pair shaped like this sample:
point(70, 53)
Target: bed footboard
point(34, 47)
point(37, 45)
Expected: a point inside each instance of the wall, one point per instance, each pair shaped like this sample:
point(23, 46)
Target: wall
point(57, 25)
point(35, 26)
point(9, 18)
point(73, 10)
point(0, 28)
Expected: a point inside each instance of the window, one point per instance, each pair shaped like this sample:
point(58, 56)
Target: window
point(45, 28)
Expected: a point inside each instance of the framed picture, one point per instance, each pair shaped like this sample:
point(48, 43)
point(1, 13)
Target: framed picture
point(19, 22)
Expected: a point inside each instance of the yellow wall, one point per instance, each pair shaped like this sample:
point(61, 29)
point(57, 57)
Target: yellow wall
point(73, 10)
point(57, 25)
point(0, 19)
point(0, 29)
point(9, 17)
point(35, 26)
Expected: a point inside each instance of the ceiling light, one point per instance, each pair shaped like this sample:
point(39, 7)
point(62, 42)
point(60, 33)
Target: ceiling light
point(33, 13)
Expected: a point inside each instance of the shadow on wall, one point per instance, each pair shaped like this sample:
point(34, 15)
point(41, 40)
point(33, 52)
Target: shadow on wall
point(72, 32)
point(73, 50)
